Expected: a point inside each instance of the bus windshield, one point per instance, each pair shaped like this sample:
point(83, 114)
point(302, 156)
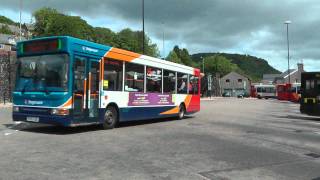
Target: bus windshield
point(45, 73)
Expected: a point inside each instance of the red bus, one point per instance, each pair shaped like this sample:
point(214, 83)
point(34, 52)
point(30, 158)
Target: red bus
point(289, 92)
point(294, 92)
point(282, 91)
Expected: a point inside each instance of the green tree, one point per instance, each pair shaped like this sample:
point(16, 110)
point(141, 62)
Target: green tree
point(185, 57)
point(104, 36)
point(173, 57)
point(219, 64)
point(49, 22)
point(44, 18)
point(132, 41)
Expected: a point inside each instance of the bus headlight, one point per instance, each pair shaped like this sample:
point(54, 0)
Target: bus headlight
point(62, 112)
point(15, 109)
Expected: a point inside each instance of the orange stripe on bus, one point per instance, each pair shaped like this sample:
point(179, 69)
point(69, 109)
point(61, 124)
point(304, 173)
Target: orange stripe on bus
point(68, 103)
point(174, 110)
point(120, 54)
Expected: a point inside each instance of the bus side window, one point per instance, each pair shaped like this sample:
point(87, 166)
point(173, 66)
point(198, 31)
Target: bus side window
point(112, 75)
point(193, 85)
point(182, 83)
point(154, 79)
point(79, 70)
point(134, 77)
point(169, 81)
point(94, 76)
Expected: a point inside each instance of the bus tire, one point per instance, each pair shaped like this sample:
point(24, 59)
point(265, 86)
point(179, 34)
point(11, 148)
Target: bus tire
point(110, 119)
point(182, 111)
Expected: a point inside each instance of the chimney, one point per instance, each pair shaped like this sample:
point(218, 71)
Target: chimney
point(300, 67)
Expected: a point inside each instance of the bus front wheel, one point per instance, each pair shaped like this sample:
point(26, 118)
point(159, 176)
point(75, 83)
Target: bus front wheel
point(182, 111)
point(110, 118)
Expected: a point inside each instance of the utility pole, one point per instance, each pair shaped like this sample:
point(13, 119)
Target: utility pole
point(163, 41)
point(143, 52)
point(20, 31)
point(287, 23)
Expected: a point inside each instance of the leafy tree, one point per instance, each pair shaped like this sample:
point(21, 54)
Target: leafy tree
point(173, 57)
point(104, 36)
point(44, 18)
point(185, 57)
point(4, 29)
point(219, 64)
point(131, 40)
point(50, 22)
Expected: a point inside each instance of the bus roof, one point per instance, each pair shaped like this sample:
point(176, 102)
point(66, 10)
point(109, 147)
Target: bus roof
point(95, 49)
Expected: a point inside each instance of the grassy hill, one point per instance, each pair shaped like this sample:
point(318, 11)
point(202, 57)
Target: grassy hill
point(253, 67)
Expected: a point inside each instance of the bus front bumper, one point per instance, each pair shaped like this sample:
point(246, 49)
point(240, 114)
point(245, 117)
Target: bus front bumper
point(43, 119)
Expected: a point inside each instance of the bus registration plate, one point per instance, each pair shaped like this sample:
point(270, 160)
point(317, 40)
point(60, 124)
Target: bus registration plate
point(33, 119)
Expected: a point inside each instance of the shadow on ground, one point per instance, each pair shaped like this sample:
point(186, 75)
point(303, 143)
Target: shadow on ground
point(59, 130)
point(300, 117)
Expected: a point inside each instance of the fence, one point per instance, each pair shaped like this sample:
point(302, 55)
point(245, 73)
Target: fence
point(7, 75)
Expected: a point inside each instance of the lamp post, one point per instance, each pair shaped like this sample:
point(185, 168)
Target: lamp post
point(202, 64)
point(287, 23)
point(20, 30)
point(163, 41)
point(142, 26)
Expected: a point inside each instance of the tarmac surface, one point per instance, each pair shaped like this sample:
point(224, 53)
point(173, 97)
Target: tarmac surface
point(229, 139)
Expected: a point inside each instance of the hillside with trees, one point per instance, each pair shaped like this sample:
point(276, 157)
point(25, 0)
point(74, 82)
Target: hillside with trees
point(251, 66)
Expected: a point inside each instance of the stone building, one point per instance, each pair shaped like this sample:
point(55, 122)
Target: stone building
point(234, 84)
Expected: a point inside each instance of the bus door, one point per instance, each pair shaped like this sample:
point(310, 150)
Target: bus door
point(85, 90)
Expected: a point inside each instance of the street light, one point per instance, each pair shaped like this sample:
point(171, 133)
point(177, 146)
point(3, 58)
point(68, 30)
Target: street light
point(20, 30)
point(202, 64)
point(142, 26)
point(287, 23)
point(163, 41)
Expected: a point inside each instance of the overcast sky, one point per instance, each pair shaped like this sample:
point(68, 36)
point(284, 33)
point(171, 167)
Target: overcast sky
point(252, 27)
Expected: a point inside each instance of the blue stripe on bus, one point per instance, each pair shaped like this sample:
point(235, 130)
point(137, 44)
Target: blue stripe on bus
point(140, 113)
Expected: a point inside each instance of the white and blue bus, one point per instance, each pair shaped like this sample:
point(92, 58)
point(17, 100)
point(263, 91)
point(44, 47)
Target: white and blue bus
point(67, 81)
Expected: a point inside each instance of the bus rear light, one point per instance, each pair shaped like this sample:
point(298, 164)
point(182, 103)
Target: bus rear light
point(62, 112)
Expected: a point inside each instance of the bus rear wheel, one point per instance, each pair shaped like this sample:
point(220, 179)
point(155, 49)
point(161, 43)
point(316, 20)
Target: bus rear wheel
point(110, 119)
point(182, 111)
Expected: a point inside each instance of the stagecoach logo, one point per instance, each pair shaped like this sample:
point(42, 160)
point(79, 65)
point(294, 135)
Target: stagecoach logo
point(30, 102)
point(89, 49)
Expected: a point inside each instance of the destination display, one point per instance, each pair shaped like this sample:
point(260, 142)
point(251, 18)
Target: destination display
point(149, 99)
point(41, 46)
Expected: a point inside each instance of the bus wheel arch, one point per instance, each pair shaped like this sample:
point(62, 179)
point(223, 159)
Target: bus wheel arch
point(111, 116)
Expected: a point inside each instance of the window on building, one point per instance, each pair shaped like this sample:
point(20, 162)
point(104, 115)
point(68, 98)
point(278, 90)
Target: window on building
point(227, 80)
point(182, 83)
point(193, 85)
point(154, 79)
point(169, 81)
point(134, 77)
point(239, 80)
point(112, 75)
